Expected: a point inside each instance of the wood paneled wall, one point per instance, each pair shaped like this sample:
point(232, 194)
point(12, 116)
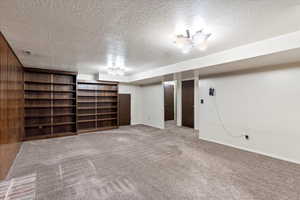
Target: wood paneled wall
point(11, 106)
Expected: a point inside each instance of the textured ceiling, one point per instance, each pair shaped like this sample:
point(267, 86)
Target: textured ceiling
point(79, 35)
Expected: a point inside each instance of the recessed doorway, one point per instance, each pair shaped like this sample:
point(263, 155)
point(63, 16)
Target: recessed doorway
point(188, 103)
point(124, 109)
point(170, 103)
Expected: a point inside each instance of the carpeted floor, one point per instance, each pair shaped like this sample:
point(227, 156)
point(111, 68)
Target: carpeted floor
point(140, 162)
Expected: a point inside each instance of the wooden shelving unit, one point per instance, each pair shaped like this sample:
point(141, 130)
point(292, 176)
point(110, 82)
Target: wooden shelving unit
point(56, 104)
point(50, 103)
point(97, 105)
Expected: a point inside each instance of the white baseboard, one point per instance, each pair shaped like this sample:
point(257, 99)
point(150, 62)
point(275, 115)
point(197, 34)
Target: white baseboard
point(253, 151)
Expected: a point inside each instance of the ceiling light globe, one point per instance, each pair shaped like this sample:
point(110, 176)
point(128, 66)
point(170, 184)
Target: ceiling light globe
point(199, 38)
point(203, 46)
point(186, 49)
point(180, 41)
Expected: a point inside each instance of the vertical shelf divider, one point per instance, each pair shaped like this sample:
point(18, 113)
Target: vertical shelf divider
point(95, 104)
point(76, 103)
point(52, 99)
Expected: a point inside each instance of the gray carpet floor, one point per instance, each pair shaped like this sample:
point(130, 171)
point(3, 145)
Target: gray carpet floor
point(140, 162)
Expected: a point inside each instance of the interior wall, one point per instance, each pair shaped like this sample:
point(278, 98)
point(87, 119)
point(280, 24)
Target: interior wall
point(90, 77)
point(262, 104)
point(11, 106)
point(178, 102)
point(136, 101)
point(147, 104)
point(153, 105)
point(166, 83)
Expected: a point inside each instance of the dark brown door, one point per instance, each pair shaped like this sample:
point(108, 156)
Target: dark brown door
point(169, 101)
point(188, 103)
point(124, 109)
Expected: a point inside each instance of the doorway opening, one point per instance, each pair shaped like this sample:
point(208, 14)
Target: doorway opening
point(187, 102)
point(124, 109)
point(170, 103)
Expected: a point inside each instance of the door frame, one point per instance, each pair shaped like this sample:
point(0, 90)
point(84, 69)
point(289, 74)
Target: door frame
point(174, 100)
point(119, 110)
point(194, 106)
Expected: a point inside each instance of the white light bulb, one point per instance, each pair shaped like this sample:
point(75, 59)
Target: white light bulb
point(180, 41)
point(121, 73)
point(203, 46)
point(199, 38)
point(186, 49)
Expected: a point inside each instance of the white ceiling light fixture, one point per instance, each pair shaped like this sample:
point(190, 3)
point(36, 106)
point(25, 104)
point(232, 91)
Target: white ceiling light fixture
point(116, 71)
point(116, 66)
point(188, 41)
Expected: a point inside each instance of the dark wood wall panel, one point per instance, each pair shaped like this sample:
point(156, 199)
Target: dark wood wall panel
point(11, 106)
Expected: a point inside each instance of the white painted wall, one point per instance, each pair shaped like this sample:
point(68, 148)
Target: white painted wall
point(177, 78)
point(265, 105)
point(89, 77)
point(153, 105)
point(136, 101)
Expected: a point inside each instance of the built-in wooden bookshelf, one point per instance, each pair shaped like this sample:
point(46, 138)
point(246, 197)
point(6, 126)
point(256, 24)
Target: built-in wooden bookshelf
point(97, 105)
point(50, 103)
point(56, 104)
